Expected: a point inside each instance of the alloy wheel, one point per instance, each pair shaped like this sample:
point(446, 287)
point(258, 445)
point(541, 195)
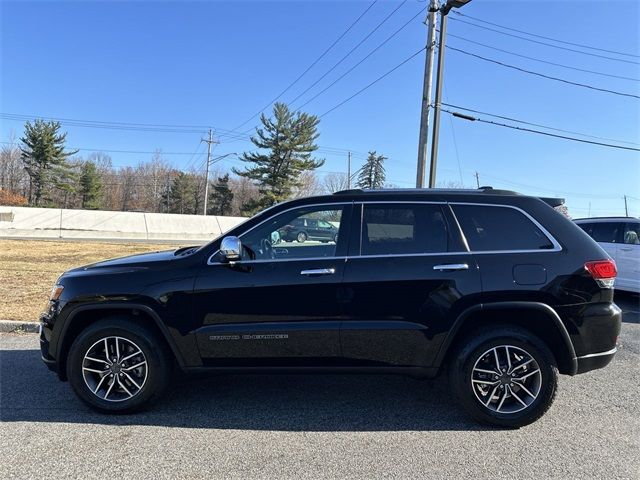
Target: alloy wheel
point(506, 379)
point(115, 369)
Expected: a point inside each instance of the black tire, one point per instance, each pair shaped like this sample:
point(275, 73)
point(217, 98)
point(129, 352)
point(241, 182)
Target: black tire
point(158, 366)
point(301, 237)
point(335, 238)
point(475, 349)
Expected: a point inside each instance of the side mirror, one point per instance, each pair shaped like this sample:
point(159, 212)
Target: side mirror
point(230, 249)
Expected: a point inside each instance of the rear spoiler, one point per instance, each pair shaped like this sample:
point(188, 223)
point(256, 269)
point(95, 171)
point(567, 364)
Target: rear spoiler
point(552, 202)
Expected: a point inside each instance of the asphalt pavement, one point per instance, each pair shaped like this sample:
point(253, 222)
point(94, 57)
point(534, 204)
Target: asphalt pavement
point(323, 426)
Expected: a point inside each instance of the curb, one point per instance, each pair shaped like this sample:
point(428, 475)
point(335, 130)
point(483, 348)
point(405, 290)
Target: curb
point(12, 326)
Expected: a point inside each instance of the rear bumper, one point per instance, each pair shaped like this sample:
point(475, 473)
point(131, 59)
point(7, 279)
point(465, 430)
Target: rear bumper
point(594, 361)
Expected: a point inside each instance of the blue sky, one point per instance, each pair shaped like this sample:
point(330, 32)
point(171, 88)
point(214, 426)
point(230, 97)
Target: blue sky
point(217, 63)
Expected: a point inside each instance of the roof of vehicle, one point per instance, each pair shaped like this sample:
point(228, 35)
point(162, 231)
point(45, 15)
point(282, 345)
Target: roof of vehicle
point(604, 219)
point(439, 192)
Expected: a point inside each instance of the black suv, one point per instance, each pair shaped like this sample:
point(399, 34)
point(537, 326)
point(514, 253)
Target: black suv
point(495, 288)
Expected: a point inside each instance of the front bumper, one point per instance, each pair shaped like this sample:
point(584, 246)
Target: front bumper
point(45, 339)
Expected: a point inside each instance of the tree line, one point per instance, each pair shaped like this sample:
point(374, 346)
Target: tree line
point(38, 170)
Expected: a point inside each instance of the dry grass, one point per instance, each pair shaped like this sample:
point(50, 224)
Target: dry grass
point(29, 268)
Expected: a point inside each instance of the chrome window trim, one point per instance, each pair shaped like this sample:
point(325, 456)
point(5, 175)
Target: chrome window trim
point(556, 245)
point(245, 262)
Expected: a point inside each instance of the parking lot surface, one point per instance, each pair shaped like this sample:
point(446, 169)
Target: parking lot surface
point(324, 426)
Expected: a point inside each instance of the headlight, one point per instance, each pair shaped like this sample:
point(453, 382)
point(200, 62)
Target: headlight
point(56, 291)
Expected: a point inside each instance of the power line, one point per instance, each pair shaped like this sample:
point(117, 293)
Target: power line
point(546, 38)
point(362, 60)
point(84, 149)
point(539, 132)
point(546, 44)
point(373, 83)
point(511, 119)
point(543, 61)
point(109, 125)
point(382, 22)
point(310, 66)
point(549, 77)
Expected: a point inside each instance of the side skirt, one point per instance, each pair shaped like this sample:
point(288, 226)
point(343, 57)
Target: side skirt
point(416, 372)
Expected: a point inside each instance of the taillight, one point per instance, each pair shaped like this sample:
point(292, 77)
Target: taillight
point(603, 272)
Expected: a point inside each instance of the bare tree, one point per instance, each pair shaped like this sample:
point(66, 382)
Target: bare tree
point(308, 184)
point(334, 182)
point(244, 191)
point(151, 182)
point(13, 177)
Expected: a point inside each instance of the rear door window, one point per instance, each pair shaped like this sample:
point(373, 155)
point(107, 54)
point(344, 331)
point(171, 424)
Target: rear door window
point(403, 229)
point(604, 232)
point(491, 228)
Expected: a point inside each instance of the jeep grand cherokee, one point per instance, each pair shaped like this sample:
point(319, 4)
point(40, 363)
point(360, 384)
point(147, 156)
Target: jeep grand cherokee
point(495, 288)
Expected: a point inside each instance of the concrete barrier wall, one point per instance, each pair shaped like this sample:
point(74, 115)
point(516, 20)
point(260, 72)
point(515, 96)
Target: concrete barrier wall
point(100, 224)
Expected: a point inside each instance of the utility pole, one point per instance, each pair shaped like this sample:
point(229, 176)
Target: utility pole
point(426, 93)
point(206, 175)
point(438, 100)
point(348, 170)
point(477, 179)
point(626, 210)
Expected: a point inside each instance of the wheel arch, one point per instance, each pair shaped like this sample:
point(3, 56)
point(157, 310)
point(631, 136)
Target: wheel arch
point(538, 318)
point(83, 316)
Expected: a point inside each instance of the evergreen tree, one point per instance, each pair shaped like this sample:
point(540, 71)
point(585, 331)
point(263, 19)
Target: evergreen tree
point(221, 197)
point(372, 175)
point(180, 198)
point(287, 140)
point(90, 186)
point(44, 157)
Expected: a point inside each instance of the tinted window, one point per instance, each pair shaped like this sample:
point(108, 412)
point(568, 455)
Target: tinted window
point(607, 232)
point(489, 228)
point(403, 229)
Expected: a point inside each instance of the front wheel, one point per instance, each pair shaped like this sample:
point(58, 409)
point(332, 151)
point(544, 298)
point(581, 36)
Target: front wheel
point(302, 237)
point(115, 365)
point(505, 376)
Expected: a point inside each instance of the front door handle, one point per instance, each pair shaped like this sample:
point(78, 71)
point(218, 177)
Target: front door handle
point(451, 267)
point(318, 271)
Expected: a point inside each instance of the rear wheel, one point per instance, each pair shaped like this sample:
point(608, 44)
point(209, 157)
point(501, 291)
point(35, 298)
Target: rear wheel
point(505, 376)
point(116, 365)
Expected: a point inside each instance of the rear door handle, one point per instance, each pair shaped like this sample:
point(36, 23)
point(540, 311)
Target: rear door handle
point(318, 271)
point(451, 267)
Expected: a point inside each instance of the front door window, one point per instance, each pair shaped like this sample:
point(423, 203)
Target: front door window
point(305, 232)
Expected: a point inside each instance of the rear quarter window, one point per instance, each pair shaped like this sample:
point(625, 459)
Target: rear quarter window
point(493, 228)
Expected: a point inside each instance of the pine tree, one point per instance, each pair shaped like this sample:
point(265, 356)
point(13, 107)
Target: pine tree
point(221, 197)
point(182, 194)
point(289, 140)
point(44, 157)
point(90, 186)
point(372, 174)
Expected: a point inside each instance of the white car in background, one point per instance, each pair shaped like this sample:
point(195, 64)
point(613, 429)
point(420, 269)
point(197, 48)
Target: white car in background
point(620, 237)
